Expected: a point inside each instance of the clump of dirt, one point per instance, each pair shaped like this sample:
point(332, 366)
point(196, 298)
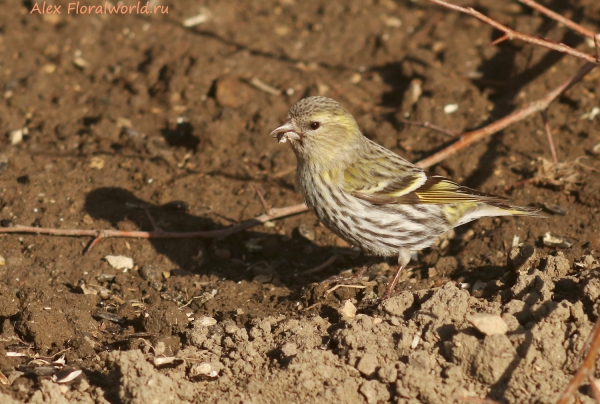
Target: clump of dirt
point(136, 122)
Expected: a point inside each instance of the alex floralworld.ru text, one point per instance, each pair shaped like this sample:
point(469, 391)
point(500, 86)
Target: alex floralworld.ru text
point(104, 8)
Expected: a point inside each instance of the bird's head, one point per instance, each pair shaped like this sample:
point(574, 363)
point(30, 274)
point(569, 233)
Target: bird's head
point(320, 130)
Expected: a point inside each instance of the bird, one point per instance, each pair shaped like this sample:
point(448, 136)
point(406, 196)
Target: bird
point(370, 196)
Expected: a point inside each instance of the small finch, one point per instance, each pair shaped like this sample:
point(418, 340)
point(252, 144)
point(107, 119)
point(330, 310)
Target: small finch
point(370, 196)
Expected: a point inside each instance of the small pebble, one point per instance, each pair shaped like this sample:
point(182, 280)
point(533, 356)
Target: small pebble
point(281, 30)
point(415, 90)
point(206, 321)
point(478, 288)
point(348, 310)
point(80, 62)
point(450, 108)
point(119, 261)
point(488, 324)
point(196, 20)
point(49, 68)
point(204, 370)
point(356, 78)
point(16, 136)
point(148, 272)
point(96, 163)
point(392, 22)
point(557, 210)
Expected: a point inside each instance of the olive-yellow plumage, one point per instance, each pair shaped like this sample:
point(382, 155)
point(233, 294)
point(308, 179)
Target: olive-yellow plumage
point(370, 196)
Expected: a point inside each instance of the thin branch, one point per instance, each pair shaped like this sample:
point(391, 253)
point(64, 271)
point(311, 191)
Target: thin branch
point(336, 287)
point(155, 225)
point(559, 47)
point(503, 38)
point(549, 135)
point(276, 213)
point(585, 369)
point(537, 106)
point(262, 86)
point(95, 241)
point(262, 200)
point(557, 17)
point(595, 389)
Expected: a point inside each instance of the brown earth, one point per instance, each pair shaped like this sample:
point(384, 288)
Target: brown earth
point(127, 112)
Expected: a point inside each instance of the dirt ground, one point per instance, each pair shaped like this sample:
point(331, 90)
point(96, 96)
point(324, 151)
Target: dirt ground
point(104, 118)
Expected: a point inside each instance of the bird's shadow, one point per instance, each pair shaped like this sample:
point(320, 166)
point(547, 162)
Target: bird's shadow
point(228, 258)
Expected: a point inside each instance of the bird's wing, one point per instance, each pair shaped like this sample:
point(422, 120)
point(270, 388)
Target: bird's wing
point(382, 180)
point(415, 187)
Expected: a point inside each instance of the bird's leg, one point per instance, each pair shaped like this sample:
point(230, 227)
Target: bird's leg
point(392, 285)
point(364, 269)
point(403, 260)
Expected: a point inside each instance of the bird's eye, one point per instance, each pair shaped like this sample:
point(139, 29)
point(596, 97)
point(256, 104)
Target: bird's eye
point(314, 125)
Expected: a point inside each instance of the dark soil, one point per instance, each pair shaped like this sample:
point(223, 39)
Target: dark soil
point(127, 117)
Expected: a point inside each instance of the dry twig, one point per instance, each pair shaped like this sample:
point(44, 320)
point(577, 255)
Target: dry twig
point(262, 86)
point(336, 287)
point(595, 388)
point(262, 199)
point(511, 34)
point(557, 17)
point(586, 368)
point(276, 213)
point(549, 135)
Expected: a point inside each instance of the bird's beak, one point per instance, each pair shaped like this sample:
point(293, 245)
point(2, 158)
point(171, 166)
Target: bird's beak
point(287, 131)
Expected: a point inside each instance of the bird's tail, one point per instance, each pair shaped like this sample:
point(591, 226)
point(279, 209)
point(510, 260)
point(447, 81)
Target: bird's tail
point(510, 210)
point(496, 208)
